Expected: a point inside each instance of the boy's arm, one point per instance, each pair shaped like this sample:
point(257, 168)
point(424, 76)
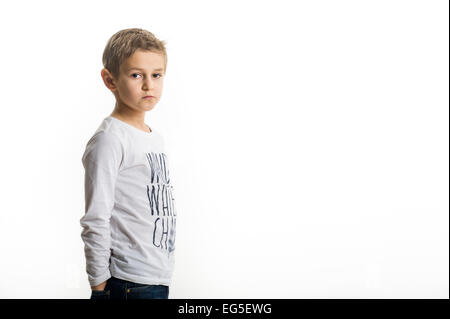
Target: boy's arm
point(101, 161)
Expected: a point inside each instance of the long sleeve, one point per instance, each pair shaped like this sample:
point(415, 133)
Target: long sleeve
point(101, 160)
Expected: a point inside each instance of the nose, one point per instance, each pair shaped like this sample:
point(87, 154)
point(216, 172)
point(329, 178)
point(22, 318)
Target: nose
point(147, 84)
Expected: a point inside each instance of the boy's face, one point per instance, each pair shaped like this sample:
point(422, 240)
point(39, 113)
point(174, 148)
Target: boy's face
point(140, 75)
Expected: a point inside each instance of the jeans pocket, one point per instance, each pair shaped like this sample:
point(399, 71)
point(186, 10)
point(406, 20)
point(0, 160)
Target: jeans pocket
point(148, 292)
point(100, 294)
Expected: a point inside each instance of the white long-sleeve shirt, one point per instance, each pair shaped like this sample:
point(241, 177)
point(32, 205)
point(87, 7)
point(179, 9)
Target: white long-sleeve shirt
point(130, 217)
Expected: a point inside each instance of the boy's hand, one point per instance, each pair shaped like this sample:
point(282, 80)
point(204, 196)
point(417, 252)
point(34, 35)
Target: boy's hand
point(100, 287)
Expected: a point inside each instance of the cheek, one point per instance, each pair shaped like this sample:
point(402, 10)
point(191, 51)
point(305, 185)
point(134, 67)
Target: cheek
point(131, 88)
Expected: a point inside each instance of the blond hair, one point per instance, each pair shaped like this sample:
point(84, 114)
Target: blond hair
point(125, 42)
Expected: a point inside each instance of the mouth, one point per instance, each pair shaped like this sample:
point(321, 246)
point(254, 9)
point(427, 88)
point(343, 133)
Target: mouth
point(148, 97)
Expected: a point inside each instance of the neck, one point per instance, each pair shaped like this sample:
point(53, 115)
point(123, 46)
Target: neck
point(129, 116)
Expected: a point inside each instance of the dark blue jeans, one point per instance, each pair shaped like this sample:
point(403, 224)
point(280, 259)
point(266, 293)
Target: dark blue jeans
point(121, 289)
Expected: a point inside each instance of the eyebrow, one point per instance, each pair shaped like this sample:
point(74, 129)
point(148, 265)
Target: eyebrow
point(133, 68)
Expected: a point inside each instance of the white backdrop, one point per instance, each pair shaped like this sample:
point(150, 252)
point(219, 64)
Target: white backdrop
point(308, 143)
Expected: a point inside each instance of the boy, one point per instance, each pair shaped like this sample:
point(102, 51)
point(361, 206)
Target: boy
point(130, 217)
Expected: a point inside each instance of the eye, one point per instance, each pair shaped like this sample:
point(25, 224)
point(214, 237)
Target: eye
point(134, 75)
point(158, 74)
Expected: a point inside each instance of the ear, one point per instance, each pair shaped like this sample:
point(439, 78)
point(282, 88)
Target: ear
point(108, 79)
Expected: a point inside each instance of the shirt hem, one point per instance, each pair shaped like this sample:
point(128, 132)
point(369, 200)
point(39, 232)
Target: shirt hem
point(140, 280)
